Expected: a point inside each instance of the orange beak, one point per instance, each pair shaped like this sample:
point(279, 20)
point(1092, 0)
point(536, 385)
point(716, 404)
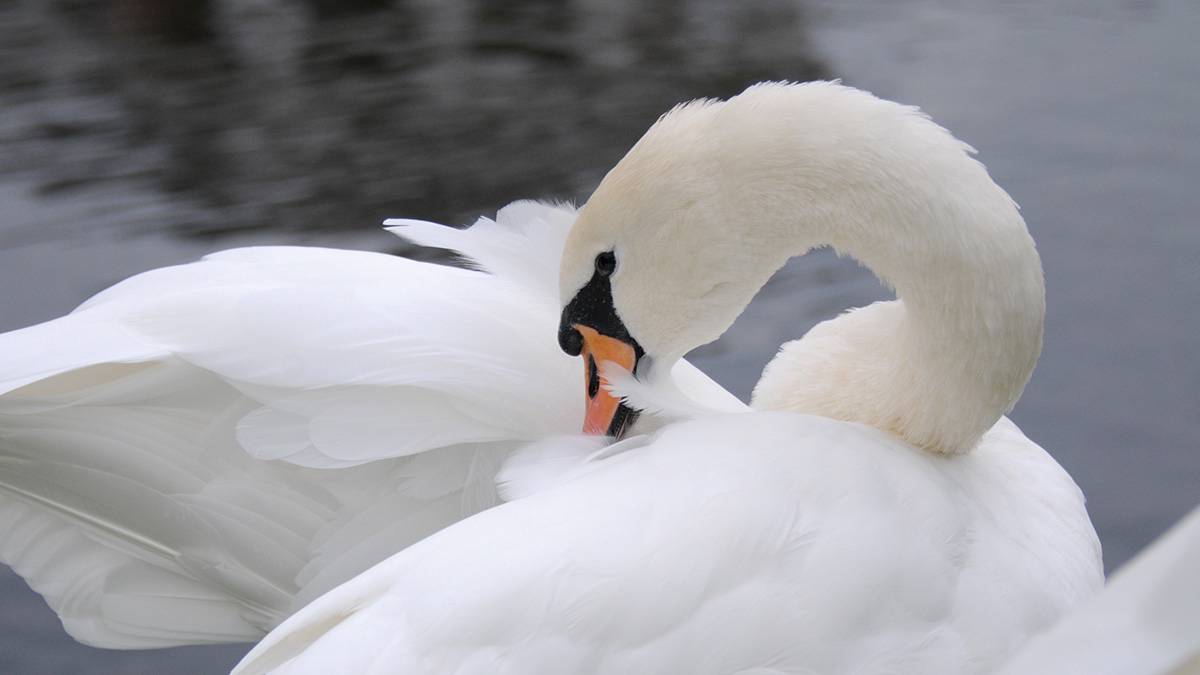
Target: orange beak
point(603, 407)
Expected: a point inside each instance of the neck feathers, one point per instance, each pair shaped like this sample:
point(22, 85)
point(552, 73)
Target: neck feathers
point(884, 184)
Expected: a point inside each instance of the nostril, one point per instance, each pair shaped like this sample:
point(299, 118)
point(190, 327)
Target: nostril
point(570, 340)
point(593, 377)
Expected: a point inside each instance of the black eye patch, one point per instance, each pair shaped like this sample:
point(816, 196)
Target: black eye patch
point(592, 306)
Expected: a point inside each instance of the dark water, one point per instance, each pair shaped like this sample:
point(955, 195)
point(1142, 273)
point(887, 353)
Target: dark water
point(124, 146)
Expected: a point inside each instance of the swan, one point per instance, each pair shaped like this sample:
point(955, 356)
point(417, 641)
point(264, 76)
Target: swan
point(872, 512)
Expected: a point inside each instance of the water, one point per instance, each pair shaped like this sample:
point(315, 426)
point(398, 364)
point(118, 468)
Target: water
point(121, 152)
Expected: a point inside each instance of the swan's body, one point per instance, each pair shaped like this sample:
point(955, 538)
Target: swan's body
point(876, 514)
point(759, 543)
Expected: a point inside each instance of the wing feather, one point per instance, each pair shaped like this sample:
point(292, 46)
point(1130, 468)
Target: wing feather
point(200, 450)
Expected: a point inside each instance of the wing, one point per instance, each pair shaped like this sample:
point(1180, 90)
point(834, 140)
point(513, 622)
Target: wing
point(200, 450)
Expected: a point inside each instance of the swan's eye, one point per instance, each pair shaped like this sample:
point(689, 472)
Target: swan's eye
point(605, 263)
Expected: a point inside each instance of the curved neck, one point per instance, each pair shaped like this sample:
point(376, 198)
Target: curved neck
point(941, 364)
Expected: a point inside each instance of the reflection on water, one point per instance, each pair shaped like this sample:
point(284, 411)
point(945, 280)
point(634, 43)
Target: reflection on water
point(288, 115)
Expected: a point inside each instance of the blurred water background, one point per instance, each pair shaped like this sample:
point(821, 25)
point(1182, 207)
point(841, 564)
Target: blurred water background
point(139, 133)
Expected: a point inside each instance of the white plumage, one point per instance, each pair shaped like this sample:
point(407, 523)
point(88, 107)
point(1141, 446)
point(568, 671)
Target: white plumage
point(204, 449)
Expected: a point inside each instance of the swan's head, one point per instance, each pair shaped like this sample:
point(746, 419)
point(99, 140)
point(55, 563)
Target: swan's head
point(648, 272)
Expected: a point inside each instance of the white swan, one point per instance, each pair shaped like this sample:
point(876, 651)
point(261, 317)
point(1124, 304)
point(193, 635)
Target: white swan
point(132, 495)
point(876, 514)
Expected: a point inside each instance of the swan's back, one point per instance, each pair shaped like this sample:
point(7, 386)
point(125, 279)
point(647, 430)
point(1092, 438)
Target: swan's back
point(755, 543)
